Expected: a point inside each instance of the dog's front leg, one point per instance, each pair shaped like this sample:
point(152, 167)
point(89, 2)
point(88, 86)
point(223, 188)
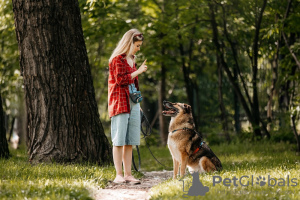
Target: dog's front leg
point(184, 159)
point(175, 168)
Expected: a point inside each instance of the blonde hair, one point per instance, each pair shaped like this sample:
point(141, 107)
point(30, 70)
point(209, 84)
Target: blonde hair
point(125, 45)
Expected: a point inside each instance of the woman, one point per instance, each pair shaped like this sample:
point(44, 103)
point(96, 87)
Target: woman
point(124, 113)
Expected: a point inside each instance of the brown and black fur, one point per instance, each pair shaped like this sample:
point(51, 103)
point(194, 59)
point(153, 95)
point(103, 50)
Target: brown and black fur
point(183, 140)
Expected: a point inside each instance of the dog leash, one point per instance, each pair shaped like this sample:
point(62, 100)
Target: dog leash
point(145, 134)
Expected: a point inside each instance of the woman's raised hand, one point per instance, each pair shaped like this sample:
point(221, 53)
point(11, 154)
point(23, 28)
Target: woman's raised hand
point(143, 67)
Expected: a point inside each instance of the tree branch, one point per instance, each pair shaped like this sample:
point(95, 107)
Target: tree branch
point(291, 51)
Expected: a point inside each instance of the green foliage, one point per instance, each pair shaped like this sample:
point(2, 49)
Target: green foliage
point(178, 35)
point(282, 129)
point(10, 79)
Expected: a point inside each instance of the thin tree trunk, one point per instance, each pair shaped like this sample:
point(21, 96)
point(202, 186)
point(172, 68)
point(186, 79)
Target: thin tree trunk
point(255, 105)
point(11, 128)
point(21, 121)
point(62, 115)
point(163, 127)
point(186, 70)
point(188, 85)
point(221, 103)
point(237, 71)
point(297, 136)
point(273, 87)
point(283, 99)
point(237, 123)
point(4, 151)
point(284, 36)
point(254, 123)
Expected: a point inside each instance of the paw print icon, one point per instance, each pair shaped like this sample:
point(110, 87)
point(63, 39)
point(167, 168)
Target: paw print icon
point(261, 181)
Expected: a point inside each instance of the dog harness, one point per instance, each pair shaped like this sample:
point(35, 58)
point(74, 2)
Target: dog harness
point(196, 150)
point(185, 129)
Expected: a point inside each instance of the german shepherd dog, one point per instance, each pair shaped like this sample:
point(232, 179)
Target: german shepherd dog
point(185, 143)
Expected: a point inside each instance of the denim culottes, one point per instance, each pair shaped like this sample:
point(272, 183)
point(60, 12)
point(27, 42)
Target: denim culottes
point(125, 127)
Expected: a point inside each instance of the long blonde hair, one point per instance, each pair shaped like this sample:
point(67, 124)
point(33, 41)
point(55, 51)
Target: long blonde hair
point(125, 45)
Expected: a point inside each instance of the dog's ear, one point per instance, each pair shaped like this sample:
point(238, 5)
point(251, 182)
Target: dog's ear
point(187, 108)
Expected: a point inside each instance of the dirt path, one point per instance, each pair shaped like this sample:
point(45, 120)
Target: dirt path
point(128, 192)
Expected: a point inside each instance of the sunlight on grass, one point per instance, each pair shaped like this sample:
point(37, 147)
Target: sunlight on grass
point(20, 180)
point(273, 162)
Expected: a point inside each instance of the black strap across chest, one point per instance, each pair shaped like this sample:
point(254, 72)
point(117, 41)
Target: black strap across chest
point(185, 129)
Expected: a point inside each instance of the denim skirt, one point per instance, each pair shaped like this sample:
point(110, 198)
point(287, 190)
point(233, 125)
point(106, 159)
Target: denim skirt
point(125, 127)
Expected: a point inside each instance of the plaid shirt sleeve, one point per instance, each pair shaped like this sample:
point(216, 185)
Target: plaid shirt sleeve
point(118, 81)
point(121, 74)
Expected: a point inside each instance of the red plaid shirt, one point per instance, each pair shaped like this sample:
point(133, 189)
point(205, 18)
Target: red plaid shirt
point(118, 81)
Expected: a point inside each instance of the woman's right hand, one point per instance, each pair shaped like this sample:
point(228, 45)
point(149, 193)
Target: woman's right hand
point(143, 67)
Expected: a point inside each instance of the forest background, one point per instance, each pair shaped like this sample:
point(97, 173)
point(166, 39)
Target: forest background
point(235, 62)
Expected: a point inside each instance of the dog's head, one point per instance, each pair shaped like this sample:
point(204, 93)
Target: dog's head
point(174, 109)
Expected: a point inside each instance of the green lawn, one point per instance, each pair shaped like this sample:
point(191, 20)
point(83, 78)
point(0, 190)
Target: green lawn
point(20, 180)
point(270, 161)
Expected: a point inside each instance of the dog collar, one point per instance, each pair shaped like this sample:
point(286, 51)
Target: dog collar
point(182, 129)
point(198, 147)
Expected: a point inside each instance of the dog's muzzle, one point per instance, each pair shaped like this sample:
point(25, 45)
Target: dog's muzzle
point(170, 110)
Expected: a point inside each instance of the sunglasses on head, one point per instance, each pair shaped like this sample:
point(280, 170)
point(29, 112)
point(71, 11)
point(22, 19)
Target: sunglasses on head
point(139, 35)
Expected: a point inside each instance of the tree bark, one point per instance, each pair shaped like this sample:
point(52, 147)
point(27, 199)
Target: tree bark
point(62, 115)
point(4, 151)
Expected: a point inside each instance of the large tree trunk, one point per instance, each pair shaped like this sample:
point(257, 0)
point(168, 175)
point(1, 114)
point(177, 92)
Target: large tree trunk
point(4, 152)
point(62, 115)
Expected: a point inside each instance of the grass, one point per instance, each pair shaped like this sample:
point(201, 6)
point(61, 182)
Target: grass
point(272, 161)
point(20, 180)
